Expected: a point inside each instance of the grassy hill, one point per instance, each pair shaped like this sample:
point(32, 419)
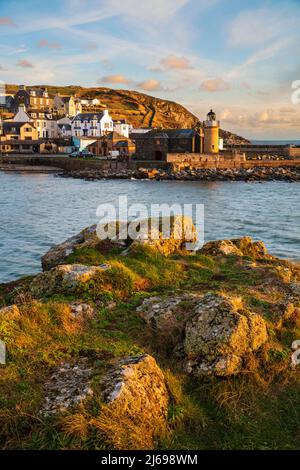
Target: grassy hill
point(138, 109)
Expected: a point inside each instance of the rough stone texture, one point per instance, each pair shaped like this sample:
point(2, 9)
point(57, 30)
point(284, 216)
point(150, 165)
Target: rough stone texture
point(64, 278)
point(166, 314)
point(87, 238)
point(294, 288)
point(82, 310)
point(137, 397)
point(241, 247)
point(167, 235)
point(156, 232)
point(137, 378)
point(68, 386)
point(219, 335)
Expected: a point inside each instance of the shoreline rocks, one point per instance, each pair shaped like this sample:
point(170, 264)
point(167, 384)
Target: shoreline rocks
point(64, 278)
point(259, 173)
point(167, 235)
point(244, 246)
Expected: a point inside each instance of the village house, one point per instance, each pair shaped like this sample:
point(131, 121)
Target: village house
point(33, 98)
point(92, 124)
point(47, 127)
point(18, 137)
point(13, 130)
point(67, 105)
point(122, 128)
point(112, 144)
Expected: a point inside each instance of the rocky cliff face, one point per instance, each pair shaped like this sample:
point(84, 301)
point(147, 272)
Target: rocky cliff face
point(139, 109)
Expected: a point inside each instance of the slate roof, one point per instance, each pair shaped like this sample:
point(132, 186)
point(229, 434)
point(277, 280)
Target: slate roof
point(68, 127)
point(166, 134)
point(88, 117)
point(8, 125)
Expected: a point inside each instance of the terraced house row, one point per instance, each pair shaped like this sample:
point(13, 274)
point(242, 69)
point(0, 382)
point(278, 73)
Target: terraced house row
point(32, 121)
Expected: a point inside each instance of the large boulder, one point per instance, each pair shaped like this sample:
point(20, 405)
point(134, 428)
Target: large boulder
point(137, 400)
point(167, 314)
point(64, 278)
point(87, 238)
point(240, 247)
point(166, 234)
point(219, 334)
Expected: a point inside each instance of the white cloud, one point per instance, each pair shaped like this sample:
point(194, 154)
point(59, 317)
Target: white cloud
point(150, 85)
point(173, 62)
point(214, 85)
point(115, 79)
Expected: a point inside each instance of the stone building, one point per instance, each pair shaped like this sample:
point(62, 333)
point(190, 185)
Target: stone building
point(156, 144)
point(32, 98)
point(110, 143)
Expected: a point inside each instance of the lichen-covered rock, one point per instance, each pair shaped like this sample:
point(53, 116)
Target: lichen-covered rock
point(64, 278)
point(68, 386)
point(82, 310)
point(166, 314)
point(137, 403)
point(219, 335)
point(167, 235)
point(87, 238)
point(240, 247)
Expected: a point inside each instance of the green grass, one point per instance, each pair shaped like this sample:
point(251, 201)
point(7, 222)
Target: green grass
point(260, 409)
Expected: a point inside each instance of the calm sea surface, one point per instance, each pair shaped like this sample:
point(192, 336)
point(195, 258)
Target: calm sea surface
point(38, 211)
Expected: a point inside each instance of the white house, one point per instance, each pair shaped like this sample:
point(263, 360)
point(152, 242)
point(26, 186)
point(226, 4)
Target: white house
point(122, 128)
point(92, 124)
point(43, 121)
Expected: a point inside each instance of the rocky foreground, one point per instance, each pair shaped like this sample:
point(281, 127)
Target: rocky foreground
point(141, 344)
point(289, 174)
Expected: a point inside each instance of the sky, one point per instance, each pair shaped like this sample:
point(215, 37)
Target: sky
point(239, 58)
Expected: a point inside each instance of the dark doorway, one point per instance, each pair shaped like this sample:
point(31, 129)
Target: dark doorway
point(158, 155)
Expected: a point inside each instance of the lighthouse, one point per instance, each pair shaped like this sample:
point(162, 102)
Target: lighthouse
point(211, 133)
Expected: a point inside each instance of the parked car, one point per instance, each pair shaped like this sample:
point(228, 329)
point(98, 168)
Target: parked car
point(81, 154)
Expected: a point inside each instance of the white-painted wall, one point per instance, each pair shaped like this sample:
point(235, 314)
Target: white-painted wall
point(89, 127)
point(122, 129)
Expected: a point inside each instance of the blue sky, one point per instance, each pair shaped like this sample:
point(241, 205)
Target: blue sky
point(237, 57)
